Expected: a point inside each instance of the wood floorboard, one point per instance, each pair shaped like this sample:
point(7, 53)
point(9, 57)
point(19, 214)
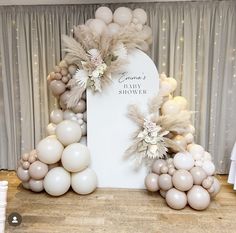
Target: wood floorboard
point(115, 211)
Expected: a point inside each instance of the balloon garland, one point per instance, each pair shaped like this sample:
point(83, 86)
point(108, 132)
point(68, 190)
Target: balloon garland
point(180, 169)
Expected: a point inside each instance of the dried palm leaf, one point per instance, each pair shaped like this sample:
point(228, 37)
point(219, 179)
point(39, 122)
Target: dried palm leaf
point(155, 104)
point(171, 144)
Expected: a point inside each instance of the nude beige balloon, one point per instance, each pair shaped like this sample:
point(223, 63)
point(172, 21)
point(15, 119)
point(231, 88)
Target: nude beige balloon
point(182, 180)
point(80, 107)
point(216, 185)
point(56, 116)
point(198, 198)
point(38, 170)
point(165, 182)
point(163, 193)
point(151, 182)
point(176, 199)
point(36, 185)
point(198, 175)
point(57, 87)
point(25, 156)
point(23, 174)
point(156, 167)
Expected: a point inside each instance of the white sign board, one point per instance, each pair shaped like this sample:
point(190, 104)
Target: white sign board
point(109, 129)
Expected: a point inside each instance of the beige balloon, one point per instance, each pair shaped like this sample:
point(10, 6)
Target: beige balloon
point(165, 182)
point(38, 170)
point(57, 87)
point(151, 182)
point(156, 167)
point(176, 199)
point(23, 174)
point(198, 175)
point(180, 141)
point(163, 193)
point(80, 107)
point(216, 185)
point(182, 180)
point(36, 185)
point(56, 116)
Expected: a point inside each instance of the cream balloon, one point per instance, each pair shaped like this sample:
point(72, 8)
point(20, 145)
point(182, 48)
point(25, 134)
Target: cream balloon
point(182, 180)
point(156, 166)
point(104, 13)
point(151, 182)
point(196, 150)
point(97, 26)
point(207, 156)
point(181, 101)
point(57, 181)
point(68, 132)
point(189, 138)
point(172, 82)
point(113, 28)
point(68, 114)
point(198, 198)
point(56, 116)
point(165, 87)
point(170, 108)
point(198, 175)
point(51, 129)
point(25, 156)
point(208, 167)
point(36, 185)
point(163, 193)
point(183, 161)
point(140, 15)
point(49, 150)
point(23, 174)
point(176, 199)
point(25, 165)
point(165, 182)
point(84, 182)
point(57, 87)
point(75, 157)
point(38, 170)
point(122, 16)
point(216, 185)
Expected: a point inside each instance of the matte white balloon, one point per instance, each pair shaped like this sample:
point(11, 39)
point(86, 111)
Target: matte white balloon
point(176, 199)
point(170, 107)
point(97, 26)
point(84, 182)
point(198, 198)
point(183, 161)
point(49, 150)
point(208, 167)
point(56, 116)
point(122, 16)
point(207, 156)
point(75, 157)
point(68, 132)
point(104, 13)
point(51, 129)
point(57, 181)
point(181, 101)
point(140, 15)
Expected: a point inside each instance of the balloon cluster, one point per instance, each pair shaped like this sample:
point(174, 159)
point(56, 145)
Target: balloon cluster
point(112, 23)
point(59, 161)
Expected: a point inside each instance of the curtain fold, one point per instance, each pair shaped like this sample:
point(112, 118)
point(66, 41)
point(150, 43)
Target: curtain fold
point(195, 42)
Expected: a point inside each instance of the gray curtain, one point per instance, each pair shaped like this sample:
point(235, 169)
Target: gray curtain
point(195, 42)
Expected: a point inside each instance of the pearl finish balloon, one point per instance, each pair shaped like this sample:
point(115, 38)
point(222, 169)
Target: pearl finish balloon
point(68, 114)
point(56, 116)
point(36, 185)
point(151, 182)
point(208, 167)
point(25, 165)
point(38, 170)
point(75, 157)
point(183, 161)
point(164, 169)
point(181, 101)
point(80, 107)
point(25, 185)
point(97, 26)
point(165, 182)
point(57, 181)
point(170, 108)
point(171, 171)
point(189, 138)
point(51, 129)
point(25, 156)
point(104, 13)
point(176, 199)
point(32, 158)
point(180, 141)
point(68, 132)
point(49, 150)
point(156, 167)
point(182, 180)
point(57, 87)
point(198, 175)
point(216, 185)
point(122, 16)
point(163, 193)
point(23, 174)
point(84, 182)
point(198, 198)
point(140, 15)
point(206, 184)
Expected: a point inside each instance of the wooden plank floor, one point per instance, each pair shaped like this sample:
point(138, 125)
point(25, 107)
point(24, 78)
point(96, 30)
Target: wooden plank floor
point(116, 211)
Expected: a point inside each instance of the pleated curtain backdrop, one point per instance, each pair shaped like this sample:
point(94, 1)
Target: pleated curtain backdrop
point(195, 42)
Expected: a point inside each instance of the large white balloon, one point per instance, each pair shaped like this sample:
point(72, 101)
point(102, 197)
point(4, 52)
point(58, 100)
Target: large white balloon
point(140, 15)
point(183, 161)
point(49, 150)
point(68, 132)
point(56, 116)
point(104, 13)
point(75, 157)
point(122, 16)
point(57, 181)
point(97, 26)
point(84, 182)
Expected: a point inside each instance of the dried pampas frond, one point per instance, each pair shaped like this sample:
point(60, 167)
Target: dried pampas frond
point(155, 104)
point(171, 144)
point(75, 96)
point(135, 115)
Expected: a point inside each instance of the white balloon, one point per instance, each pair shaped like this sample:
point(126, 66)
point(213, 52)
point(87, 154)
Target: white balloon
point(140, 15)
point(207, 156)
point(49, 150)
point(191, 129)
point(84, 182)
point(189, 138)
point(68, 114)
point(56, 116)
point(113, 28)
point(208, 167)
point(75, 157)
point(57, 181)
point(165, 88)
point(172, 82)
point(104, 13)
point(146, 33)
point(183, 161)
point(97, 26)
point(84, 129)
point(83, 140)
point(170, 108)
point(196, 151)
point(122, 16)
point(51, 129)
point(181, 101)
point(88, 22)
point(68, 132)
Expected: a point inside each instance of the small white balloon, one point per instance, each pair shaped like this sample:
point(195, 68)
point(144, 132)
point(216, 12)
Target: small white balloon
point(208, 167)
point(122, 16)
point(183, 161)
point(68, 114)
point(172, 82)
point(57, 181)
point(140, 15)
point(181, 101)
point(51, 129)
point(49, 150)
point(189, 138)
point(56, 116)
point(165, 88)
point(75, 157)
point(104, 13)
point(84, 182)
point(68, 132)
point(207, 156)
point(97, 26)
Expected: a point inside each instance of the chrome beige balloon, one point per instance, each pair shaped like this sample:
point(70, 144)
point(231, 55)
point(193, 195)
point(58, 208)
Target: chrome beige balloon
point(156, 167)
point(165, 182)
point(151, 182)
point(38, 170)
point(176, 199)
point(198, 175)
point(182, 180)
point(36, 185)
